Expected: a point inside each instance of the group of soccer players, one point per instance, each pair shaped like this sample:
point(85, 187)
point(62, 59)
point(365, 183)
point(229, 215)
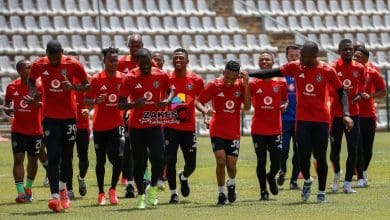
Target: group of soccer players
point(141, 112)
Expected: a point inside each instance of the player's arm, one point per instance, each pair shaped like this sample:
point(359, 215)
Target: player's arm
point(165, 102)
point(82, 87)
point(7, 108)
point(343, 97)
point(123, 104)
point(266, 74)
point(380, 88)
point(247, 91)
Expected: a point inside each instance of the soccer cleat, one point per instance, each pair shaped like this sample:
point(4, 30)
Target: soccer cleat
point(140, 204)
point(46, 181)
point(29, 195)
point(174, 199)
point(82, 186)
point(55, 205)
point(232, 194)
point(294, 186)
point(151, 195)
point(281, 178)
point(21, 198)
point(321, 198)
point(64, 198)
point(184, 187)
point(360, 183)
point(129, 191)
point(336, 181)
point(347, 187)
point(222, 199)
point(101, 199)
point(306, 190)
point(123, 181)
point(71, 194)
point(272, 185)
point(113, 197)
point(264, 195)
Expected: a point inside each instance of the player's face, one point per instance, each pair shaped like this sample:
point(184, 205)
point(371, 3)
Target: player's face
point(145, 64)
point(134, 46)
point(229, 77)
point(23, 73)
point(266, 61)
point(179, 60)
point(293, 55)
point(54, 58)
point(308, 58)
point(159, 59)
point(346, 51)
point(111, 62)
point(360, 57)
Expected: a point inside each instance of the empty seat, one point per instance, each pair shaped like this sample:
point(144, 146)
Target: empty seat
point(156, 26)
point(4, 24)
point(265, 44)
point(16, 24)
point(227, 43)
point(46, 25)
point(186, 41)
point(89, 25)
point(165, 7)
point(263, 8)
point(240, 44)
point(5, 46)
point(275, 8)
point(346, 7)
point(152, 8)
point(106, 41)
point(385, 39)
point(169, 24)
point(6, 68)
point(203, 7)
point(161, 44)
point(213, 44)
point(29, 7)
point(200, 45)
point(373, 42)
point(366, 24)
point(74, 25)
point(233, 25)
point(182, 25)
point(221, 25)
point(86, 8)
point(129, 24)
point(246, 63)
point(71, 7)
point(354, 24)
point(306, 24)
point(361, 37)
point(139, 8)
point(322, 8)
point(331, 57)
point(60, 25)
point(14, 8)
point(116, 26)
point(33, 44)
point(63, 39)
point(43, 7)
point(174, 42)
point(78, 44)
point(369, 6)
point(148, 42)
point(377, 23)
point(120, 43)
point(95, 64)
point(195, 24)
point(45, 39)
point(330, 23)
point(299, 7)
point(382, 59)
point(31, 24)
point(334, 7)
point(219, 62)
point(358, 7)
point(318, 25)
point(325, 42)
point(112, 8)
point(252, 42)
point(208, 25)
point(287, 8)
point(381, 6)
point(193, 63)
point(19, 44)
point(92, 44)
point(206, 64)
point(143, 24)
point(57, 7)
point(178, 8)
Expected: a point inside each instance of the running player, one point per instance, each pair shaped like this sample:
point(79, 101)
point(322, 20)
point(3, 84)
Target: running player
point(269, 99)
point(312, 78)
point(26, 130)
point(226, 93)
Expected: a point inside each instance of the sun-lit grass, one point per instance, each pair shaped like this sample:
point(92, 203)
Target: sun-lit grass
point(369, 203)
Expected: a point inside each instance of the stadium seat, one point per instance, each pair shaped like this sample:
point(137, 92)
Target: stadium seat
point(281, 24)
point(335, 8)
point(385, 39)
point(190, 8)
point(161, 44)
point(34, 45)
point(14, 8)
point(165, 8)
point(306, 25)
point(105, 27)
point(193, 63)
point(227, 44)
point(336, 38)
point(213, 44)
point(156, 26)
point(139, 8)
point(201, 45)
point(89, 25)
point(182, 25)
point(218, 61)
point(196, 24)
point(282, 59)
point(206, 65)
point(231, 56)
point(240, 44)
point(358, 8)
point(46, 25)
point(233, 25)
point(86, 8)
point(362, 37)
point(74, 25)
point(6, 68)
point(275, 8)
point(57, 7)
point(203, 8)
point(5, 46)
point(174, 42)
point(299, 39)
point(325, 42)
point(30, 24)
point(95, 64)
point(374, 42)
point(208, 25)
point(378, 23)
point(255, 60)
point(78, 44)
point(382, 60)
point(381, 7)
point(19, 45)
point(92, 44)
point(322, 8)
point(16, 25)
point(343, 25)
point(369, 6)
point(245, 62)
point(313, 37)
point(253, 43)
point(120, 43)
point(28, 7)
point(4, 25)
point(263, 8)
point(112, 8)
point(330, 23)
point(299, 7)
point(239, 8)
point(288, 9)
point(60, 25)
point(178, 8)
point(186, 41)
point(45, 39)
point(265, 44)
point(354, 24)
point(318, 25)
point(169, 24)
point(43, 7)
point(152, 8)
point(71, 7)
point(106, 41)
point(116, 26)
point(346, 7)
point(129, 25)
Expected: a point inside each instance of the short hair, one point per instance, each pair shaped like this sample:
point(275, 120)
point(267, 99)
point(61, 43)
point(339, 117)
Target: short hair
point(364, 51)
point(344, 41)
point(53, 47)
point(293, 47)
point(269, 53)
point(20, 64)
point(233, 66)
point(181, 50)
point(135, 37)
point(311, 46)
point(110, 50)
point(143, 52)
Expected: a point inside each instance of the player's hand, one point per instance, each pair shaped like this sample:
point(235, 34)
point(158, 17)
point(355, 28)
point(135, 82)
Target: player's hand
point(66, 85)
point(100, 99)
point(140, 103)
point(348, 122)
point(9, 111)
point(206, 121)
point(209, 112)
point(244, 75)
point(85, 112)
point(283, 107)
point(357, 98)
point(162, 103)
point(365, 96)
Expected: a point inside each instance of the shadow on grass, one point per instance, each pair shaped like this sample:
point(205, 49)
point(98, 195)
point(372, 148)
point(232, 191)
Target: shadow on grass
point(300, 203)
point(34, 213)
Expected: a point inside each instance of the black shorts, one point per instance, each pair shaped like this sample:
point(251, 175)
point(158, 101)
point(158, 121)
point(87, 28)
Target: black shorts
point(22, 143)
point(231, 147)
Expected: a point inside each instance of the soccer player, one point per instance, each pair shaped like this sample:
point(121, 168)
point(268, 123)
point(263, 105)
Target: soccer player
point(351, 74)
point(288, 125)
point(375, 88)
point(187, 87)
point(158, 58)
point(360, 44)
point(313, 79)
point(227, 93)
point(269, 99)
point(26, 130)
point(108, 130)
point(57, 72)
point(82, 140)
point(147, 88)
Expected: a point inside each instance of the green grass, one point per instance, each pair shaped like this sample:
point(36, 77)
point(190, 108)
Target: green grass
point(371, 202)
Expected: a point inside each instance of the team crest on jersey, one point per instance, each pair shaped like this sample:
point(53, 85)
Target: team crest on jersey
point(355, 74)
point(319, 78)
point(190, 86)
point(237, 94)
point(118, 86)
point(156, 84)
point(275, 89)
point(64, 72)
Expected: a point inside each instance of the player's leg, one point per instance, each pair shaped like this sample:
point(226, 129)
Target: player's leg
point(232, 149)
point(218, 146)
point(261, 155)
point(188, 147)
point(295, 163)
point(33, 150)
point(352, 146)
point(99, 138)
point(171, 147)
point(82, 143)
point(44, 162)
point(368, 146)
point(274, 147)
point(115, 152)
point(321, 135)
point(18, 150)
point(336, 134)
point(287, 133)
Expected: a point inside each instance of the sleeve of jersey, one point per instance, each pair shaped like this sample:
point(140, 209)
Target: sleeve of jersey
point(34, 71)
point(8, 93)
point(334, 81)
point(200, 86)
point(379, 82)
point(289, 69)
point(167, 83)
point(125, 87)
point(91, 93)
point(206, 95)
point(283, 86)
point(80, 72)
point(362, 80)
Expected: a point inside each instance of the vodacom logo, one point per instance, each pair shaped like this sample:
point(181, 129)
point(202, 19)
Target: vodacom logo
point(148, 95)
point(267, 100)
point(23, 104)
point(229, 104)
point(55, 83)
point(112, 98)
point(347, 83)
point(309, 88)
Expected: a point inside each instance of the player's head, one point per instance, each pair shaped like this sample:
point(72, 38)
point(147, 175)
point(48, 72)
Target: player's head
point(358, 44)
point(361, 55)
point(180, 59)
point(144, 60)
point(309, 54)
point(231, 72)
point(72, 54)
point(135, 43)
point(266, 61)
point(158, 57)
point(23, 68)
point(346, 50)
point(293, 52)
point(110, 59)
point(54, 52)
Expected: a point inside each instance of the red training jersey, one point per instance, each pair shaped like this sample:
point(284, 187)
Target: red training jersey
point(106, 114)
point(127, 63)
point(226, 102)
point(374, 82)
point(267, 97)
point(82, 120)
point(187, 90)
point(27, 118)
point(312, 87)
point(153, 88)
point(58, 103)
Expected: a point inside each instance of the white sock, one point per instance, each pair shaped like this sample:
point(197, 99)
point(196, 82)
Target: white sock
point(62, 185)
point(130, 182)
point(80, 178)
point(173, 191)
point(55, 195)
point(321, 192)
point(309, 180)
point(182, 177)
point(231, 182)
point(221, 189)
